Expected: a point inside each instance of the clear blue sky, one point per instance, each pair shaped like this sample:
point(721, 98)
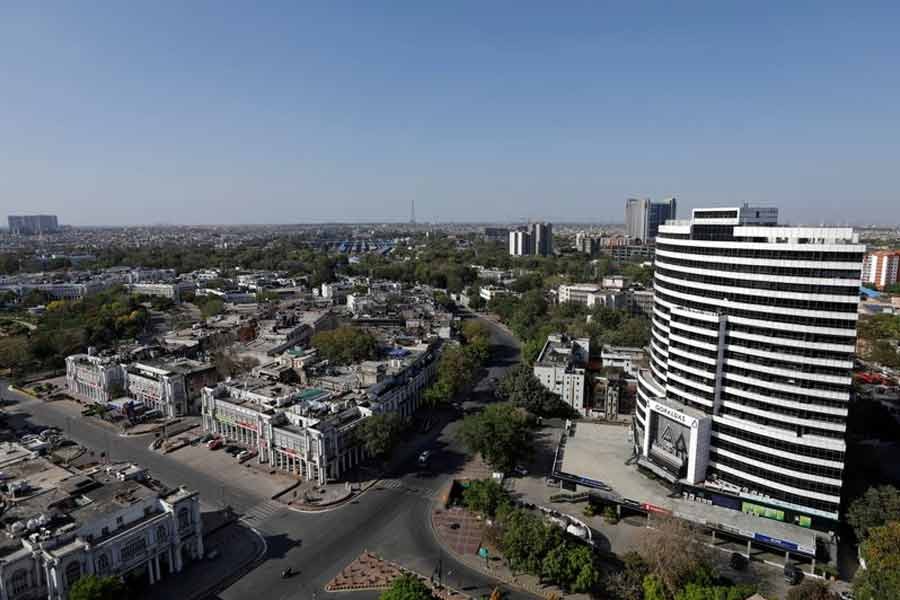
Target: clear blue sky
point(262, 112)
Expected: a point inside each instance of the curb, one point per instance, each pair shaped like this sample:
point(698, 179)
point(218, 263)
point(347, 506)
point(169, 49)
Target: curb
point(19, 390)
point(238, 574)
point(334, 505)
point(358, 588)
point(461, 559)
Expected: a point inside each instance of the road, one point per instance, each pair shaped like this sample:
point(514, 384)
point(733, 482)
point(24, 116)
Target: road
point(392, 520)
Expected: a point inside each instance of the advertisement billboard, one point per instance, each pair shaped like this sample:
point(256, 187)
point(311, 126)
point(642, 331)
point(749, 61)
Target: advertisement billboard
point(762, 511)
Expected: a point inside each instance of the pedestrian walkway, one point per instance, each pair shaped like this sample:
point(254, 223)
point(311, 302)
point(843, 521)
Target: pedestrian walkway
point(402, 486)
point(256, 515)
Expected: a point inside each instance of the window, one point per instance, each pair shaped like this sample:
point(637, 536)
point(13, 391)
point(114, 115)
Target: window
point(73, 573)
point(184, 518)
point(103, 564)
point(120, 521)
point(162, 533)
point(133, 549)
point(19, 582)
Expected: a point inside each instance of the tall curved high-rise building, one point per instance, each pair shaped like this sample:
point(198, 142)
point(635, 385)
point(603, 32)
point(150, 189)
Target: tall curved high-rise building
point(753, 334)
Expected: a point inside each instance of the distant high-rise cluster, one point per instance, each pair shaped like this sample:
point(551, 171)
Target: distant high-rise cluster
point(534, 240)
point(32, 224)
point(644, 216)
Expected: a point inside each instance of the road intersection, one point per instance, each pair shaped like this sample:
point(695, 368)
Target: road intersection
point(391, 519)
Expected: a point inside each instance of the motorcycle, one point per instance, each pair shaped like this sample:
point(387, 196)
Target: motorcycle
point(287, 573)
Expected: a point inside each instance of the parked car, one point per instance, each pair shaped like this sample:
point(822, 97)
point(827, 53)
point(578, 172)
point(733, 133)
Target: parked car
point(424, 458)
point(738, 561)
point(214, 444)
point(520, 471)
point(246, 455)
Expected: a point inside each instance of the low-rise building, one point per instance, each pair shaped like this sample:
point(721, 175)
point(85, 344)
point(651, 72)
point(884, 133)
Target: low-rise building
point(639, 302)
point(622, 357)
point(114, 521)
point(94, 378)
point(170, 386)
point(173, 291)
point(577, 293)
point(561, 368)
point(305, 430)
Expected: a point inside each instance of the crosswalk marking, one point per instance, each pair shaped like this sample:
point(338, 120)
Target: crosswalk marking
point(397, 484)
point(262, 511)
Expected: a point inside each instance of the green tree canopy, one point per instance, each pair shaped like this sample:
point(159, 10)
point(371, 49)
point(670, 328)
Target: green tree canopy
point(345, 345)
point(876, 507)
point(484, 496)
point(521, 388)
point(92, 587)
point(407, 587)
point(881, 577)
point(380, 433)
point(500, 433)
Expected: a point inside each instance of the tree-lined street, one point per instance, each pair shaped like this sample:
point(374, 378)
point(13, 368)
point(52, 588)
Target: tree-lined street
point(393, 521)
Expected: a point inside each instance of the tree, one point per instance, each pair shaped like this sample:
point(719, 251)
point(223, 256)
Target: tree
point(379, 433)
point(15, 353)
point(628, 584)
point(676, 555)
point(92, 587)
point(695, 591)
point(407, 587)
point(874, 508)
point(212, 307)
point(500, 433)
point(810, 589)
point(881, 577)
point(520, 387)
point(526, 539)
point(484, 496)
point(345, 345)
point(581, 569)
point(654, 588)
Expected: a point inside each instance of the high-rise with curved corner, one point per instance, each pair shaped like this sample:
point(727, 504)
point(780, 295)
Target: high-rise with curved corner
point(753, 330)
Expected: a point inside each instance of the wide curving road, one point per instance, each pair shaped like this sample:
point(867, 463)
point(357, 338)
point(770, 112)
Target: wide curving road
point(392, 520)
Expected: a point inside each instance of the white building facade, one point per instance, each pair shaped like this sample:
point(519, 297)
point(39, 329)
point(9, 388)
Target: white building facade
point(94, 378)
point(561, 368)
point(752, 345)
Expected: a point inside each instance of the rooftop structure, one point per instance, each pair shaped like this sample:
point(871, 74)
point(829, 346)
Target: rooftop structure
point(59, 526)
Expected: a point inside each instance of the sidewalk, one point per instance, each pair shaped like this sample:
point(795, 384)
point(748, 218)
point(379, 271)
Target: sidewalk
point(240, 549)
point(465, 550)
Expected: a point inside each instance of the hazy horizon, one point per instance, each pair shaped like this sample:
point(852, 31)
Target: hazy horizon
point(344, 112)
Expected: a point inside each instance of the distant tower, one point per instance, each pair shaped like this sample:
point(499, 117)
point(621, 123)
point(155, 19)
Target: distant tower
point(412, 211)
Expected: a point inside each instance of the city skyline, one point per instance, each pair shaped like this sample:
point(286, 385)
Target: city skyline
point(281, 114)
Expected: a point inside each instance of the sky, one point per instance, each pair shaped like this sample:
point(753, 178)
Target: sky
point(116, 113)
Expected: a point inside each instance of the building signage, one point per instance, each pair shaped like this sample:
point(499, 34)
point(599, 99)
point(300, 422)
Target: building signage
point(762, 511)
point(759, 537)
point(655, 509)
point(673, 414)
